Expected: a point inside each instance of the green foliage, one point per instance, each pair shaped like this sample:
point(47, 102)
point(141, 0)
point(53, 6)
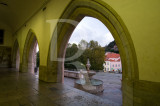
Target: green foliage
point(110, 47)
point(71, 50)
point(93, 44)
point(92, 50)
point(97, 58)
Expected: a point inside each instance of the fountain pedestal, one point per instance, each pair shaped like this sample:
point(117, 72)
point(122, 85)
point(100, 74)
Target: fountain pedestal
point(93, 86)
point(87, 83)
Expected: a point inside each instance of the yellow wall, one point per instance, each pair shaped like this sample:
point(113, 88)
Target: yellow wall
point(142, 19)
point(7, 35)
point(41, 28)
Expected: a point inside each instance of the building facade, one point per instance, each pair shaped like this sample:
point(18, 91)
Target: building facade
point(112, 63)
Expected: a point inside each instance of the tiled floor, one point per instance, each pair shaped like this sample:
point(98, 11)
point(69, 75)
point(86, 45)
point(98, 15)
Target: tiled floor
point(24, 89)
point(111, 83)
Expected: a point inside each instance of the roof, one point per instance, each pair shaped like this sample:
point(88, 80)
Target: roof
point(110, 56)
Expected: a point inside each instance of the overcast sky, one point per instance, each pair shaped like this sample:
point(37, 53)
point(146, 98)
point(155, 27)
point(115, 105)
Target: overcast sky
point(91, 29)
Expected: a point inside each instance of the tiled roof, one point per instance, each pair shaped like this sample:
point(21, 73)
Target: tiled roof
point(119, 60)
point(110, 55)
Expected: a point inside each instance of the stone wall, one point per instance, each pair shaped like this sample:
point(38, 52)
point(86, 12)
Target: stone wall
point(5, 56)
point(71, 74)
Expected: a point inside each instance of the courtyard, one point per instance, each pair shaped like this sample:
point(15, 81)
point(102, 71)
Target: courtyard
point(111, 83)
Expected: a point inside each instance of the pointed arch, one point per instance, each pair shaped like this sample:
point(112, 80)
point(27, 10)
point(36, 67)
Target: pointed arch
point(15, 55)
point(78, 9)
point(30, 44)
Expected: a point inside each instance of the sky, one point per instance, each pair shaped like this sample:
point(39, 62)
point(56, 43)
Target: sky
point(91, 29)
point(37, 49)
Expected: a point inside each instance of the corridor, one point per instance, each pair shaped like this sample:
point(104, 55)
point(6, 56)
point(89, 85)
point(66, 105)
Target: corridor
point(24, 89)
point(134, 25)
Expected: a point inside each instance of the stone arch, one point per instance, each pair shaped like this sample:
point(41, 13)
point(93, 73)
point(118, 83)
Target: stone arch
point(15, 55)
point(78, 9)
point(29, 47)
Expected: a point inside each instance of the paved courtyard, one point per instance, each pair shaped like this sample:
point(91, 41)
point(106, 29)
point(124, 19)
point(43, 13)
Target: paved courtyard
point(111, 83)
point(25, 89)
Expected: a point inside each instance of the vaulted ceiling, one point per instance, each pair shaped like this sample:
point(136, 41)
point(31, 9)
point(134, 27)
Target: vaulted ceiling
point(15, 12)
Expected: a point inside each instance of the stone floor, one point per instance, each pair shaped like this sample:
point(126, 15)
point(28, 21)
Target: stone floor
point(24, 89)
point(111, 83)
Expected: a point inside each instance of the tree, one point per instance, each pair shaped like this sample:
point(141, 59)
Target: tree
point(110, 47)
point(93, 44)
point(93, 51)
point(71, 50)
point(96, 57)
point(83, 44)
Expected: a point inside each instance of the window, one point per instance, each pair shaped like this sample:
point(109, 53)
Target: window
point(1, 36)
point(107, 69)
point(116, 65)
point(107, 63)
point(113, 65)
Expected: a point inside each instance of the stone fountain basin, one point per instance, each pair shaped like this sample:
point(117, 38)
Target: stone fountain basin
point(94, 85)
point(94, 82)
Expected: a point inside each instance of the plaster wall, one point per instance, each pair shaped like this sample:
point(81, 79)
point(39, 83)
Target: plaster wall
point(141, 17)
point(117, 65)
point(42, 27)
point(106, 66)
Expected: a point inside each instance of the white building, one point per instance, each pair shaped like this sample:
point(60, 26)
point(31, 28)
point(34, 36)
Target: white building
point(112, 62)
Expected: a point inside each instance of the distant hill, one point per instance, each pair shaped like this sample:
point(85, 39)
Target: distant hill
point(111, 47)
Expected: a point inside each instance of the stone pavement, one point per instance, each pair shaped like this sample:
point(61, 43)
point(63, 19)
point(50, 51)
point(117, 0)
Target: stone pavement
point(24, 89)
point(111, 83)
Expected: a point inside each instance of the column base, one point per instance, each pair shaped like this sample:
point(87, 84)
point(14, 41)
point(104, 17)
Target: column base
point(47, 75)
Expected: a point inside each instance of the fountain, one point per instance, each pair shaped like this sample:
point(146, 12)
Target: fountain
point(87, 83)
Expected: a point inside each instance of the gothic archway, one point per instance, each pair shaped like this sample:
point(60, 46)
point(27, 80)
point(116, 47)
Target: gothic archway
point(28, 51)
point(75, 11)
point(15, 55)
